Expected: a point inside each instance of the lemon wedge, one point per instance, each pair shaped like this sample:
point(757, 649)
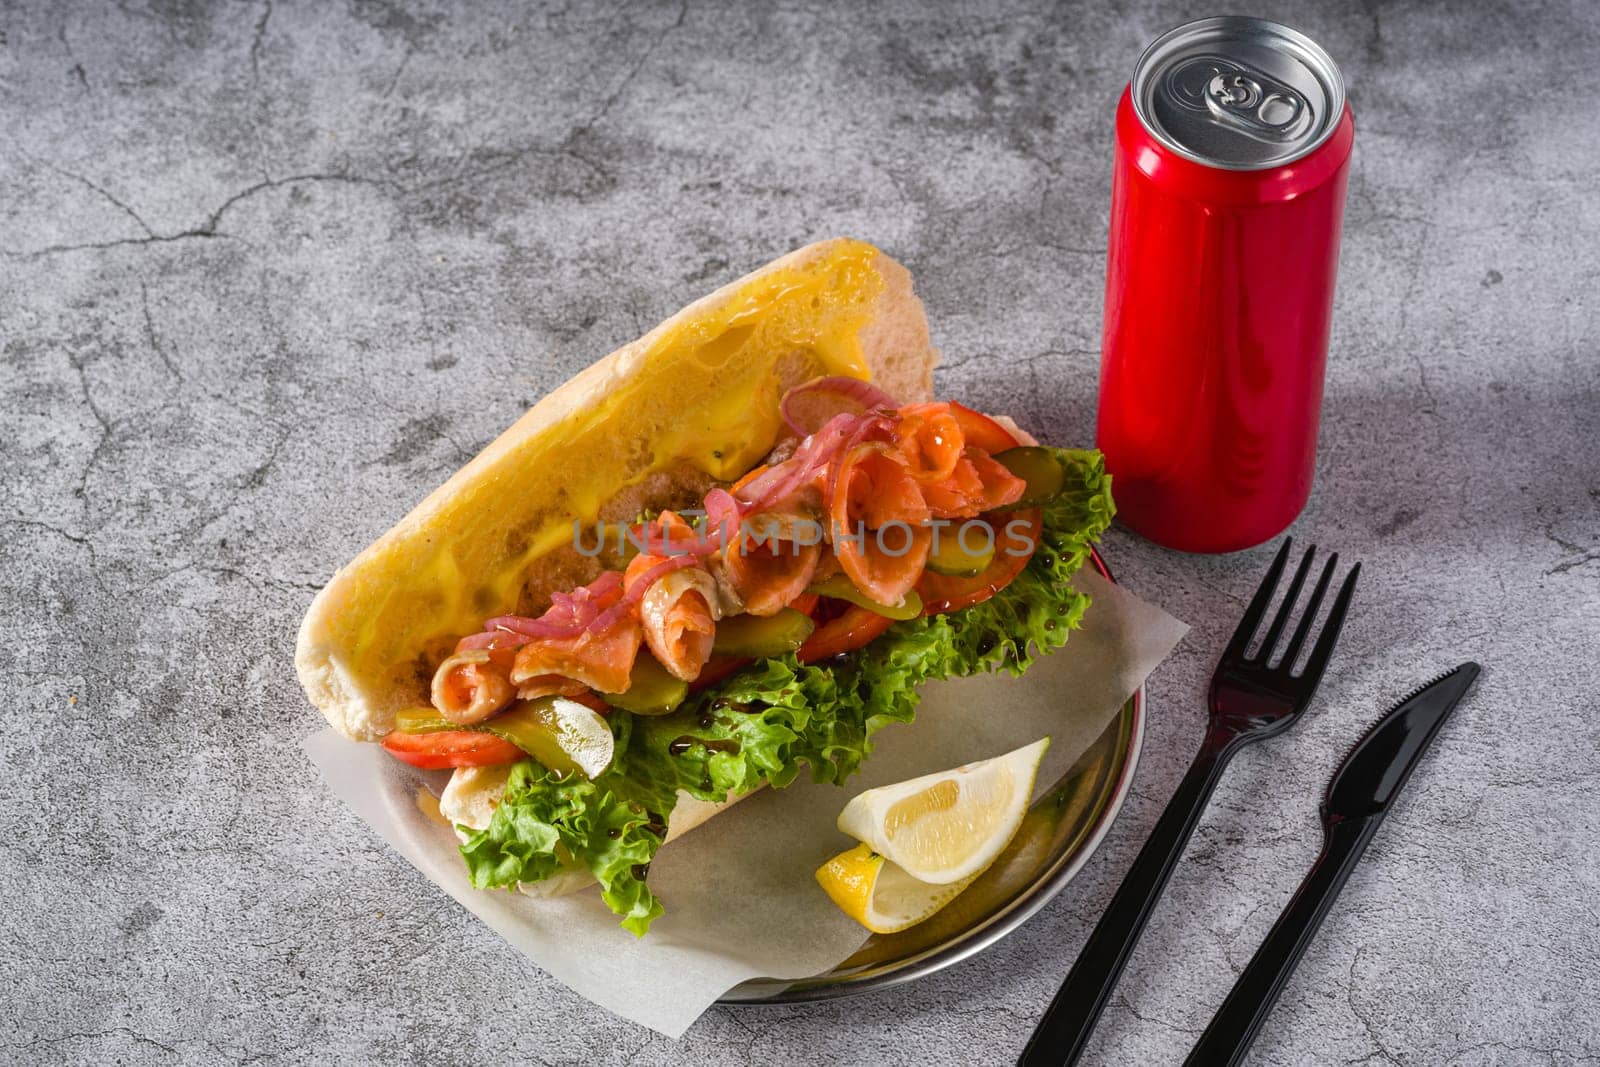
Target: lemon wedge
point(878, 894)
point(946, 828)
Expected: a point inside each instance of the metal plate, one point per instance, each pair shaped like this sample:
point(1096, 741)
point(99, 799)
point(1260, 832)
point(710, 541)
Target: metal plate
point(1058, 835)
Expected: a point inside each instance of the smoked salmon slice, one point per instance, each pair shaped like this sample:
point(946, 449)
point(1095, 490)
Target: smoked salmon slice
point(543, 685)
point(768, 571)
point(476, 681)
point(678, 612)
point(879, 523)
point(978, 483)
point(928, 439)
point(601, 659)
point(600, 656)
point(473, 684)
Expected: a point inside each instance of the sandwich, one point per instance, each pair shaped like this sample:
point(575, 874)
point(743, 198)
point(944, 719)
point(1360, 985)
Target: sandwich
point(723, 556)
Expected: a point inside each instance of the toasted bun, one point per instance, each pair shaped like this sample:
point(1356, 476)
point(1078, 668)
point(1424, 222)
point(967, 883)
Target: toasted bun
point(654, 424)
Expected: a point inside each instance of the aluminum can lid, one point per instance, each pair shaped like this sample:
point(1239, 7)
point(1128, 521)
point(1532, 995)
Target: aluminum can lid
point(1238, 93)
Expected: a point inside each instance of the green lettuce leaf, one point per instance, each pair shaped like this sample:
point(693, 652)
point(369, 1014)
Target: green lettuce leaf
point(776, 718)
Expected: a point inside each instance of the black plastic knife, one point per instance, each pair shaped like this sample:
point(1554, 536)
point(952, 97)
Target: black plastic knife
point(1359, 796)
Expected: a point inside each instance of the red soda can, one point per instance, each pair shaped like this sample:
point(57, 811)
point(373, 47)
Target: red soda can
point(1233, 149)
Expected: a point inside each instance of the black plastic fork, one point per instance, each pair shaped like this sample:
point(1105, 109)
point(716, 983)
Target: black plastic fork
point(1252, 697)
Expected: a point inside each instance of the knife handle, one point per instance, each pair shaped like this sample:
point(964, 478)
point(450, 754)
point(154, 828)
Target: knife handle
point(1234, 1026)
point(1067, 1023)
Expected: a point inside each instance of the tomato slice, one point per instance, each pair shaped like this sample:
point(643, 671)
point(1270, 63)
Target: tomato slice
point(451, 748)
point(941, 593)
point(716, 669)
point(845, 633)
point(805, 603)
point(981, 431)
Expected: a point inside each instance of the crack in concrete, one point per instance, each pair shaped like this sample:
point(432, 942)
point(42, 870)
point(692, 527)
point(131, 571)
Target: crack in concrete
point(249, 483)
point(1374, 42)
point(616, 94)
point(151, 337)
point(208, 229)
point(256, 42)
point(107, 427)
point(734, 1016)
point(96, 246)
point(90, 1035)
point(1562, 568)
point(1156, 1020)
point(1586, 553)
point(101, 191)
point(569, 144)
point(67, 535)
point(399, 70)
point(1551, 1053)
point(1361, 1016)
point(76, 70)
point(1407, 295)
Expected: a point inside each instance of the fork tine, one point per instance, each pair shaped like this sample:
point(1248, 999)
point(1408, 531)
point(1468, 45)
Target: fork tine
point(1330, 631)
point(1282, 618)
point(1258, 605)
point(1310, 616)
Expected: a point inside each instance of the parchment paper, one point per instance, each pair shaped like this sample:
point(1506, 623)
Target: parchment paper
point(741, 900)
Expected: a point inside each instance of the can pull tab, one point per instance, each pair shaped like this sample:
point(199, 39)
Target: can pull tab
point(1248, 101)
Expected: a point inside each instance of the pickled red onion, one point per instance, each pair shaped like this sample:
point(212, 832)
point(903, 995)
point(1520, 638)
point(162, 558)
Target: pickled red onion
point(492, 639)
point(636, 591)
point(722, 517)
point(868, 428)
point(815, 452)
point(569, 615)
point(656, 542)
point(808, 406)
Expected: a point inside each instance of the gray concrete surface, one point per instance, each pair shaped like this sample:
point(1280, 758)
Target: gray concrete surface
point(271, 270)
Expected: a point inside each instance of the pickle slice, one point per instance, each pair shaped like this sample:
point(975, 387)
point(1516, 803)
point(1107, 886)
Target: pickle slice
point(652, 690)
point(1040, 468)
point(564, 735)
point(754, 637)
point(951, 557)
point(422, 721)
point(840, 587)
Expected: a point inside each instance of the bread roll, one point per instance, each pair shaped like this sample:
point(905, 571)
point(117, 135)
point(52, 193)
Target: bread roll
point(654, 424)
